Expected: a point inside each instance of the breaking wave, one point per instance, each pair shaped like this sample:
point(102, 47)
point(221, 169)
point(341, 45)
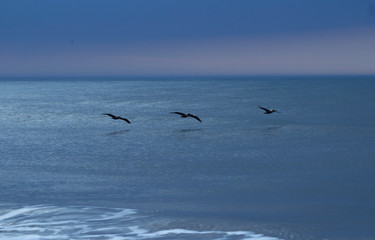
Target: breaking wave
point(59, 223)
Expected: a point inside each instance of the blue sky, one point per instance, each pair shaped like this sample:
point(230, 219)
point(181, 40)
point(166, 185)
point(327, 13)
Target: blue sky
point(186, 37)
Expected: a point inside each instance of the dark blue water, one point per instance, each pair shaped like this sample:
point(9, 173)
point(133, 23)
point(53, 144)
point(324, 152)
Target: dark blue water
point(69, 172)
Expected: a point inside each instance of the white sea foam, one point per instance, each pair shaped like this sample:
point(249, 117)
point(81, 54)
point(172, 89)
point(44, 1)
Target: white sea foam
point(51, 222)
point(16, 212)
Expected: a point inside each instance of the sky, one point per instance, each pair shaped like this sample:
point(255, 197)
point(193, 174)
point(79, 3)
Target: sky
point(186, 37)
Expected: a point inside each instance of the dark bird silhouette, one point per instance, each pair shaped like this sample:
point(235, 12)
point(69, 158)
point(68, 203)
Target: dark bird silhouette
point(116, 117)
point(268, 111)
point(185, 115)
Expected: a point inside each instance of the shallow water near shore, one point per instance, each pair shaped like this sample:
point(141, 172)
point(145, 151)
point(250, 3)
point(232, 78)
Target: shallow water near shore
point(69, 172)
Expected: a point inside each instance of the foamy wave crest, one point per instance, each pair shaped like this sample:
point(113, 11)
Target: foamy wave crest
point(60, 223)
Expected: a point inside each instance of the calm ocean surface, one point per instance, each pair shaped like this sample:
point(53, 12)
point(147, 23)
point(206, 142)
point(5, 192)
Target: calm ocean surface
point(69, 172)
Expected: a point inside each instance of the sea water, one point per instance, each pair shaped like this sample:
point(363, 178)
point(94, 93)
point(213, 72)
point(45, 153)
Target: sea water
point(69, 172)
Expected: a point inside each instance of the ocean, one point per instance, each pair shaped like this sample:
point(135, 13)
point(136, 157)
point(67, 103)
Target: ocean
point(305, 172)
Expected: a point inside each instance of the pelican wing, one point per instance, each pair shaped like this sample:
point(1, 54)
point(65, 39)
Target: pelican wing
point(108, 114)
point(126, 120)
point(179, 113)
point(265, 109)
point(193, 116)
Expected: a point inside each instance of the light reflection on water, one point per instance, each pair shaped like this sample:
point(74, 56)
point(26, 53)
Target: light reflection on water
point(239, 164)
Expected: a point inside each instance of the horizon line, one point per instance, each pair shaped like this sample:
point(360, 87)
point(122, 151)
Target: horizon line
point(186, 76)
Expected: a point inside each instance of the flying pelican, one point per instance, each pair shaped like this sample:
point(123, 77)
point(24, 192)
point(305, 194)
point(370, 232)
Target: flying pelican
point(116, 117)
point(185, 115)
point(268, 111)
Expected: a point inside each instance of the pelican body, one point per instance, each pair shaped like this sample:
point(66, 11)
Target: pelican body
point(267, 111)
point(117, 117)
point(185, 115)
